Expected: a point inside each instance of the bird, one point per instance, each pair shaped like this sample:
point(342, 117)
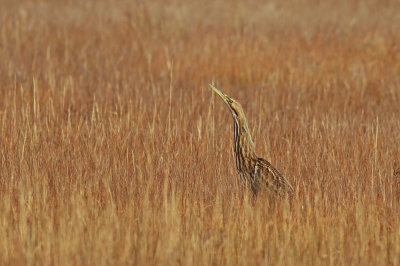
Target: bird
point(255, 172)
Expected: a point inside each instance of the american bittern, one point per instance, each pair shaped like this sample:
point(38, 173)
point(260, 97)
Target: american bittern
point(255, 172)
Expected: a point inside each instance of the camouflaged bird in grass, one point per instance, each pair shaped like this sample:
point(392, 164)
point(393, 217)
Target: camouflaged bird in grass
point(255, 172)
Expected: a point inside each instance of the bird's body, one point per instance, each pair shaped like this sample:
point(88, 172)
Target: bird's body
point(257, 173)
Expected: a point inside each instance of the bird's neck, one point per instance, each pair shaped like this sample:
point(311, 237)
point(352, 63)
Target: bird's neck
point(243, 147)
point(243, 134)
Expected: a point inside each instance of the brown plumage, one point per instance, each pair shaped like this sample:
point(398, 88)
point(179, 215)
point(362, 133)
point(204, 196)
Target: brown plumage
point(396, 173)
point(256, 173)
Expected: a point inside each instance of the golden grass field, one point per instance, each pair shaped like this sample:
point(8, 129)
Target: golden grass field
point(114, 151)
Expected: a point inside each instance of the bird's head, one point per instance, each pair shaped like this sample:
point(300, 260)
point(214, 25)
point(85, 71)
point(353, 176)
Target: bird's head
point(234, 106)
point(237, 113)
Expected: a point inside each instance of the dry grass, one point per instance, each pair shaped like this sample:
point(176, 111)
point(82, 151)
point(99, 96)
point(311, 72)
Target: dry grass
point(114, 151)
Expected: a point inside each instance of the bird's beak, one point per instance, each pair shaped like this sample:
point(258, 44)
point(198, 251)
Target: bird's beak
point(224, 97)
